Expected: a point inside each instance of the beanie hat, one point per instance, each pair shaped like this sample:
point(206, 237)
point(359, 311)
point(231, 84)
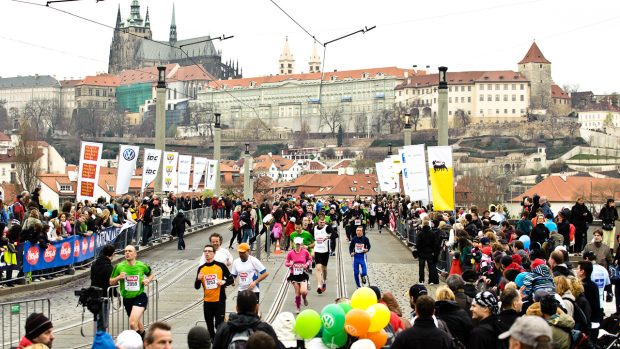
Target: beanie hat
point(487, 300)
point(198, 338)
point(536, 262)
point(506, 260)
point(129, 339)
point(517, 258)
point(36, 324)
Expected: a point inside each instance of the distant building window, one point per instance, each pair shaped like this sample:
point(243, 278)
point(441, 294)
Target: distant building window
point(514, 111)
point(514, 87)
point(497, 111)
point(481, 112)
point(514, 98)
point(490, 98)
point(505, 98)
point(290, 65)
point(78, 92)
point(65, 187)
point(462, 88)
point(450, 89)
point(505, 111)
point(490, 87)
point(105, 93)
point(522, 87)
point(469, 99)
point(449, 99)
point(505, 86)
point(469, 88)
point(481, 98)
point(497, 87)
point(522, 98)
point(497, 98)
point(90, 91)
point(481, 87)
point(97, 92)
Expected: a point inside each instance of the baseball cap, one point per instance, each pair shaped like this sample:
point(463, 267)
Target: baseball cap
point(298, 240)
point(527, 328)
point(417, 290)
point(243, 247)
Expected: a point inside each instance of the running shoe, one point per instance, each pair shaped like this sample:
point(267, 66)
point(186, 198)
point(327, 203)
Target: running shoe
point(298, 310)
point(319, 290)
point(332, 254)
point(364, 279)
point(306, 301)
point(324, 287)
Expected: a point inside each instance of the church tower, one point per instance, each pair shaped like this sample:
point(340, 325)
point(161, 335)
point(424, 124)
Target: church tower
point(173, 29)
point(315, 60)
point(287, 62)
point(537, 69)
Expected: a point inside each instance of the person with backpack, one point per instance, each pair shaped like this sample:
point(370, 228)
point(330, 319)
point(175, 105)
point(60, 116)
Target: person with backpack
point(242, 324)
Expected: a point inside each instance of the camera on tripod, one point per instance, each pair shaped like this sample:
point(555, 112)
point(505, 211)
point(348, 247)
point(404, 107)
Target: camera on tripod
point(91, 297)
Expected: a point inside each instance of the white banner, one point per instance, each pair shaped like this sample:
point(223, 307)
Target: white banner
point(185, 166)
point(415, 177)
point(170, 175)
point(381, 171)
point(152, 158)
point(200, 164)
point(210, 175)
point(88, 175)
point(392, 179)
point(128, 157)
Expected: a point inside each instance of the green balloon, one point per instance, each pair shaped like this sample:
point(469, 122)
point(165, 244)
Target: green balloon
point(333, 341)
point(346, 307)
point(308, 324)
point(333, 318)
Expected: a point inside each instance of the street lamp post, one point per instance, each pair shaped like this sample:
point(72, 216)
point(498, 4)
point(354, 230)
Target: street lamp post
point(442, 110)
point(246, 173)
point(160, 124)
point(217, 143)
point(390, 149)
point(407, 129)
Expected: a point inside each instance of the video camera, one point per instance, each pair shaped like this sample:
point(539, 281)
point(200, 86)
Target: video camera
point(91, 298)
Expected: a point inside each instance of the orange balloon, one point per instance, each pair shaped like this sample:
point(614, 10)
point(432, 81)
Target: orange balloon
point(357, 322)
point(379, 338)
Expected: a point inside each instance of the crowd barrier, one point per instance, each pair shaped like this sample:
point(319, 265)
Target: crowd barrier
point(13, 318)
point(118, 321)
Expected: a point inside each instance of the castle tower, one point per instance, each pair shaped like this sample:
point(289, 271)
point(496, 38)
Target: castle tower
point(134, 16)
point(315, 60)
point(287, 62)
point(537, 69)
point(147, 19)
point(173, 29)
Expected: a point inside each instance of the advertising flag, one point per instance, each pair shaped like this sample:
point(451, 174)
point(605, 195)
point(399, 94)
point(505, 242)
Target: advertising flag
point(152, 158)
point(415, 178)
point(170, 175)
point(392, 170)
point(88, 175)
point(381, 171)
point(185, 166)
point(200, 165)
point(126, 164)
point(210, 175)
point(441, 174)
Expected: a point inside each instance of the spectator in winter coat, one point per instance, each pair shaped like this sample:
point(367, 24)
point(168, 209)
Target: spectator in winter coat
point(484, 309)
point(178, 226)
point(427, 245)
point(540, 278)
point(424, 333)
point(609, 216)
point(512, 305)
point(580, 218)
point(524, 224)
point(448, 310)
point(601, 250)
point(557, 265)
point(539, 233)
point(590, 290)
point(457, 285)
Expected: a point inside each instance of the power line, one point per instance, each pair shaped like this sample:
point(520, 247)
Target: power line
point(294, 21)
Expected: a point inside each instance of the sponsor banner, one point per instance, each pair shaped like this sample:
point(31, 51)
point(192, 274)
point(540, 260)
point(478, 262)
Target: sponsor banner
point(170, 175)
point(381, 177)
point(152, 157)
point(185, 166)
point(88, 175)
point(58, 253)
point(128, 157)
point(109, 235)
point(392, 170)
point(441, 173)
point(415, 177)
point(210, 175)
point(200, 164)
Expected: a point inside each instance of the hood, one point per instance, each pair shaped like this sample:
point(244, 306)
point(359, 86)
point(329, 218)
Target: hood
point(284, 326)
point(102, 260)
point(240, 322)
point(446, 306)
point(569, 295)
point(562, 321)
point(542, 270)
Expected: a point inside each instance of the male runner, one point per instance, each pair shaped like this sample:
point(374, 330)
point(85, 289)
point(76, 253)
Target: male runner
point(358, 248)
point(222, 255)
point(133, 276)
point(249, 269)
point(322, 234)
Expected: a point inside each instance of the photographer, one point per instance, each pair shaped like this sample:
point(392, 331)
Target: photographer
point(101, 269)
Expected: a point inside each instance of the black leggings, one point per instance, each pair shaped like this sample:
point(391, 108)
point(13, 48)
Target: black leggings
point(236, 234)
point(214, 311)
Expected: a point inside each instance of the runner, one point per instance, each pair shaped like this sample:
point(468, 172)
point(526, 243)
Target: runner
point(322, 234)
point(213, 276)
point(222, 255)
point(359, 247)
point(299, 260)
point(249, 270)
point(334, 235)
point(133, 276)
point(308, 240)
point(355, 218)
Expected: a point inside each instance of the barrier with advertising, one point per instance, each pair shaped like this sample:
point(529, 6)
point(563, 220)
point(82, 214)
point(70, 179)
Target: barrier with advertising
point(60, 253)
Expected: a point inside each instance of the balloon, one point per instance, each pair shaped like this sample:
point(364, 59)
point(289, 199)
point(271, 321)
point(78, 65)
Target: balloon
point(363, 297)
point(346, 307)
point(379, 338)
point(362, 344)
point(333, 341)
point(332, 317)
point(357, 322)
point(526, 241)
point(379, 317)
point(308, 324)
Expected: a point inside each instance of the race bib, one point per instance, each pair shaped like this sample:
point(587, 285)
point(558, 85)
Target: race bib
point(132, 283)
point(298, 269)
point(358, 222)
point(210, 281)
point(321, 241)
point(359, 248)
point(244, 278)
point(334, 224)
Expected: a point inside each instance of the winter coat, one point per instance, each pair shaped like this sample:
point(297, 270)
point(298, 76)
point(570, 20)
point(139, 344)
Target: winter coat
point(484, 336)
point(284, 326)
point(506, 318)
point(569, 302)
point(100, 273)
point(580, 215)
point(609, 215)
point(178, 223)
point(561, 326)
point(594, 300)
point(602, 253)
point(457, 319)
point(236, 220)
point(241, 322)
point(423, 334)
point(427, 243)
point(524, 225)
point(562, 269)
point(539, 234)
point(540, 278)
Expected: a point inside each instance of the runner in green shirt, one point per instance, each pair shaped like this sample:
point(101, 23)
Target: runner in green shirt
point(133, 275)
point(308, 238)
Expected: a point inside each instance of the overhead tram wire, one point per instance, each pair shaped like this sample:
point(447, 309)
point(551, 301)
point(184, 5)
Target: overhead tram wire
point(294, 21)
point(157, 42)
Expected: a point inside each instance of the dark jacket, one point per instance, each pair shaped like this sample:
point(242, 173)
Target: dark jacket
point(580, 216)
point(238, 323)
point(484, 335)
point(505, 319)
point(591, 293)
point(427, 243)
point(100, 273)
point(457, 319)
point(561, 270)
point(178, 223)
point(463, 300)
point(539, 234)
point(608, 215)
point(423, 334)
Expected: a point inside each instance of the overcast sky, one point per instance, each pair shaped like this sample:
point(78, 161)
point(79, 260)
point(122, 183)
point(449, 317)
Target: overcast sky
point(579, 38)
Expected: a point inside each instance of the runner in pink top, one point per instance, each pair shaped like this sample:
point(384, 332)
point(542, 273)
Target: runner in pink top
point(298, 260)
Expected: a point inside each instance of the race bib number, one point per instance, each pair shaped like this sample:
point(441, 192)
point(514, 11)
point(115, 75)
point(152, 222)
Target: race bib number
point(358, 222)
point(359, 248)
point(298, 269)
point(211, 281)
point(334, 224)
point(244, 278)
point(132, 283)
point(321, 241)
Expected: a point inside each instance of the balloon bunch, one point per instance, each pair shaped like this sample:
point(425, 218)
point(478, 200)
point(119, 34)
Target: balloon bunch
point(364, 318)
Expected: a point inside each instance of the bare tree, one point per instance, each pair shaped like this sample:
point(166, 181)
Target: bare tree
point(433, 120)
point(115, 119)
point(332, 117)
point(264, 188)
point(254, 127)
point(88, 120)
point(26, 156)
point(4, 116)
point(392, 119)
point(360, 122)
point(201, 114)
point(570, 88)
point(39, 112)
point(461, 118)
point(300, 140)
point(146, 128)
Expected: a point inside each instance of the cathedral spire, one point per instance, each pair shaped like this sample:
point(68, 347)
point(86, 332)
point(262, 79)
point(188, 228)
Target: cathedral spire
point(286, 61)
point(173, 28)
point(147, 20)
point(118, 17)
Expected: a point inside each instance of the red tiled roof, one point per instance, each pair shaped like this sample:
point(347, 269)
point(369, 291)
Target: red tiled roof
point(69, 83)
point(333, 184)
point(534, 55)
point(315, 165)
point(190, 73)
point(100, 80)
point(558, 189)
point(339, 75)
point(4, 137)
point(557, 92)
point(8, 157)
point(464, 78)
point(52, 181)
point(344, 163)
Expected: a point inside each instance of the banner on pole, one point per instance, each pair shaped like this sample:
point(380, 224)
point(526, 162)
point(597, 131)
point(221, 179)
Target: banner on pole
point(441, 173)
point(383, 184)
point(415, 177)
point(152, 158)
point(200, 165)
point(88, 175)
point(210, 175)
point(126, 164)
point(170, 175)
point(185, 166)
point(391, 173)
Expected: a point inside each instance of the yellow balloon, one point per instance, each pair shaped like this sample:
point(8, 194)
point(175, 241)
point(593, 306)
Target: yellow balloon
point(363, 297)
point(379, 317)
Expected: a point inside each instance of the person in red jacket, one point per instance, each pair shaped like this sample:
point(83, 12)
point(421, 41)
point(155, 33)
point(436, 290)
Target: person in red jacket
point(39, 330)
point(18, 208)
